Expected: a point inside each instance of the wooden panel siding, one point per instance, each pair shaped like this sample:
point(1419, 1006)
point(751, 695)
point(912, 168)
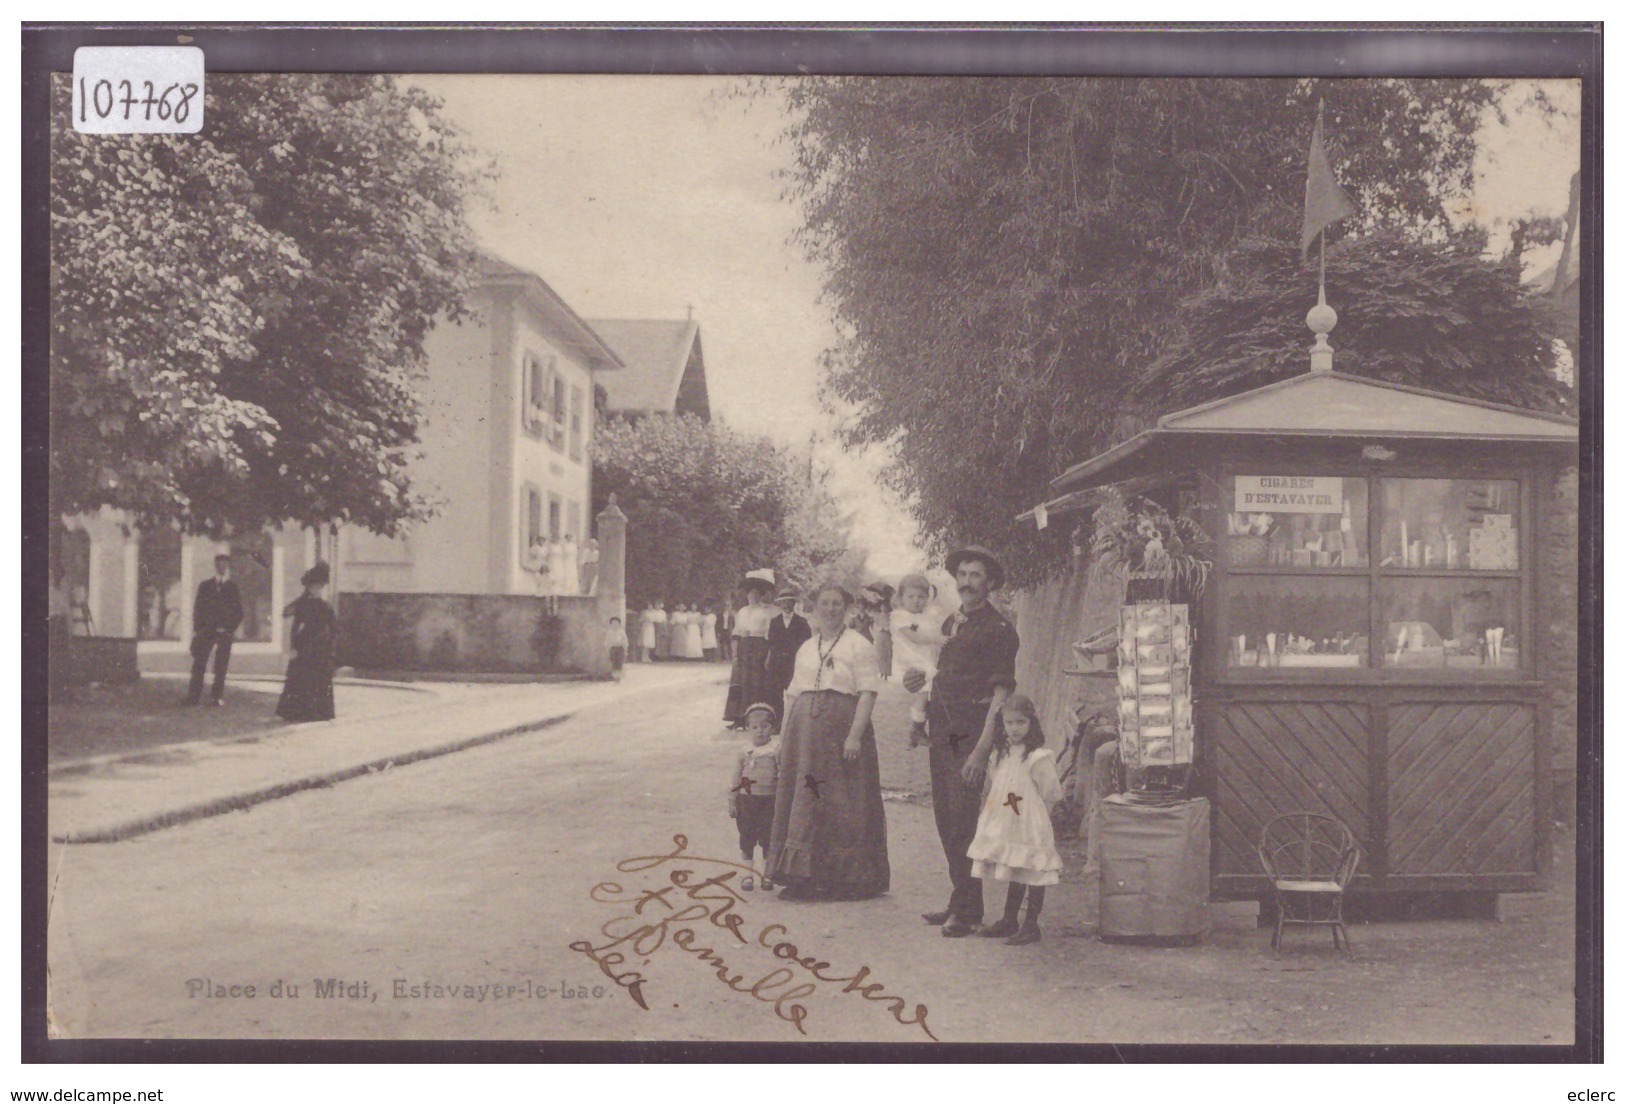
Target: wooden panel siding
point(1273, 757)
point(1461, 788)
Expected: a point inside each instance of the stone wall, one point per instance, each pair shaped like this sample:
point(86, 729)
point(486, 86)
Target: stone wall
point(511, 634)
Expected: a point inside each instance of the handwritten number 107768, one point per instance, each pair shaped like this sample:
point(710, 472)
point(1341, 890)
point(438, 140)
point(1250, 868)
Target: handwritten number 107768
point(175, 102)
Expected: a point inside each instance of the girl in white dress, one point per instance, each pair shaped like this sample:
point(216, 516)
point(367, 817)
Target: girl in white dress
point(1014, 841)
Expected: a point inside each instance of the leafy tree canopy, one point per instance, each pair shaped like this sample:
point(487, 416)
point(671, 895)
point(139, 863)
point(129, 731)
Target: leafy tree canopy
point(705, 504)
point(238, 316)
point(1025, 271)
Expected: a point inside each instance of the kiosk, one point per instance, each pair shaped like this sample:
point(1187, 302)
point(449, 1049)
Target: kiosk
point(1370, 641)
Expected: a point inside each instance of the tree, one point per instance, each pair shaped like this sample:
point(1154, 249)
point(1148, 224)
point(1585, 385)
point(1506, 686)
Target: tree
point(1007, 257)
point(237, 316)
point(1428, 316)
point(705, 504)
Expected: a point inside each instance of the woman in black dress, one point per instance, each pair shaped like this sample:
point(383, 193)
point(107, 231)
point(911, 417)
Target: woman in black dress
point(307, 691)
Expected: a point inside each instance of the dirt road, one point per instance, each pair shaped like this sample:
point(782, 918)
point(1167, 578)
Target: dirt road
point(442, 900)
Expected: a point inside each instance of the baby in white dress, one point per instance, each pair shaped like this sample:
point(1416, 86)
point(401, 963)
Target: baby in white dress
point(916, 643)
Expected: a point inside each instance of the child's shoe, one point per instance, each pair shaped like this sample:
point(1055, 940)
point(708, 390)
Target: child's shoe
point(1028, 934)
point(767, 883)
point(916, 734)
point(999, 929)
point(747, 882)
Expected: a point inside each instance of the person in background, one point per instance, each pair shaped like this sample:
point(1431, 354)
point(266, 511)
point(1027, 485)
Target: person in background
point(708, 633)
point(307, 690)
point(644, 649)
point(975, 673)
point(536, 564)
point(570, 567)
point(615, 639)
point(216, 612)
point(662, 625)
point(693, 635)
point(786, 633)
point(917, 640)
point(749, 681)
point(557, 583)
point(752, 789)
point(1015, 840)
point(590, 554)
point(679, 631)
point(725, 631)
point(662, 631)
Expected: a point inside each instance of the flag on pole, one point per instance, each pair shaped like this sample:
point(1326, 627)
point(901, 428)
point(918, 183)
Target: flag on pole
point(1324, 201)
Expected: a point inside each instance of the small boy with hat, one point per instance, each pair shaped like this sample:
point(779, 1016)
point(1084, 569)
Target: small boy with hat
point(754, 786)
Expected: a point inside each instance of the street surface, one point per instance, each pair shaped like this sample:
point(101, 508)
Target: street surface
point(441, 900)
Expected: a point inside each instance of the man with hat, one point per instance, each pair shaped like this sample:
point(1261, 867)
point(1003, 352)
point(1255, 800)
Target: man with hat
point(975, 673)
point(786, 633)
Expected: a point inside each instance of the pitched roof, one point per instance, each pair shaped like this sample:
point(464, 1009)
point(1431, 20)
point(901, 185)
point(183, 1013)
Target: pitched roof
point(665, 368)
point(573, 330)
point(1333, 404)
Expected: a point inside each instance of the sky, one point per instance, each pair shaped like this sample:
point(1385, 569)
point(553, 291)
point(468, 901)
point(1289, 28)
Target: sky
point(648, 196)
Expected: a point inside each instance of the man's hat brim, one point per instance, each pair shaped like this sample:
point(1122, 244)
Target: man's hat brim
point(995, 569)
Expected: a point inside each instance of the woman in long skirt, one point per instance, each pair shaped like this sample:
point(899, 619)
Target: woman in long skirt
point(829, 826)
point(750, 682)
point(307, 690)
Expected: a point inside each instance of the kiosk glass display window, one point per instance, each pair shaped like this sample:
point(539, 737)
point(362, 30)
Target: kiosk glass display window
point(1449, 524)
point(1459, 624)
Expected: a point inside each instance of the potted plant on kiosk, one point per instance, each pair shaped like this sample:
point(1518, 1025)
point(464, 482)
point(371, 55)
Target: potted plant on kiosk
point(1158, 555)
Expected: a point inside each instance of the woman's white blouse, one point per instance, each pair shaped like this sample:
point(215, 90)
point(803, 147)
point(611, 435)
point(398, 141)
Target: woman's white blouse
point(753, 620)
point(849, 665)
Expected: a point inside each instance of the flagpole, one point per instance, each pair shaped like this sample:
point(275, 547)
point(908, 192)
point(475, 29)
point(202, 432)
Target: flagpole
point(1320, 119)
point(1323, 268)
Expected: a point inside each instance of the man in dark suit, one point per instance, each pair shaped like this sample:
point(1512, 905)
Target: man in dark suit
point(786, 634)
point(216, 612)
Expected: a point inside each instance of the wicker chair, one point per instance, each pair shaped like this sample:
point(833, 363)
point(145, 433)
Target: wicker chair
point(1309, 860)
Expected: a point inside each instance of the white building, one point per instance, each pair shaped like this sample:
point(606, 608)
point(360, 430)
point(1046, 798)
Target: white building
point(508, 418)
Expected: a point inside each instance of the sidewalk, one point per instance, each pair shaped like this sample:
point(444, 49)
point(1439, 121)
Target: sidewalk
point(109, 798)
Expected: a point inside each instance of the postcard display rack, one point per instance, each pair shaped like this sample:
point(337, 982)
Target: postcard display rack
point(1156, 737)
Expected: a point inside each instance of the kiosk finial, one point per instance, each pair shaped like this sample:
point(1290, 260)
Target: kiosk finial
point(1321, 319)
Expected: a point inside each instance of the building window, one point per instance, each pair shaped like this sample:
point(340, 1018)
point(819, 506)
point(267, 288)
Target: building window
point(553, 518)
point(538, 390)
point(578, 402)
point(558, 410)
point(574, 529)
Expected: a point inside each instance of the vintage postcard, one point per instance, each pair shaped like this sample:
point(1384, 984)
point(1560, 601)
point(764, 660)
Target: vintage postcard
point(813, 558)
